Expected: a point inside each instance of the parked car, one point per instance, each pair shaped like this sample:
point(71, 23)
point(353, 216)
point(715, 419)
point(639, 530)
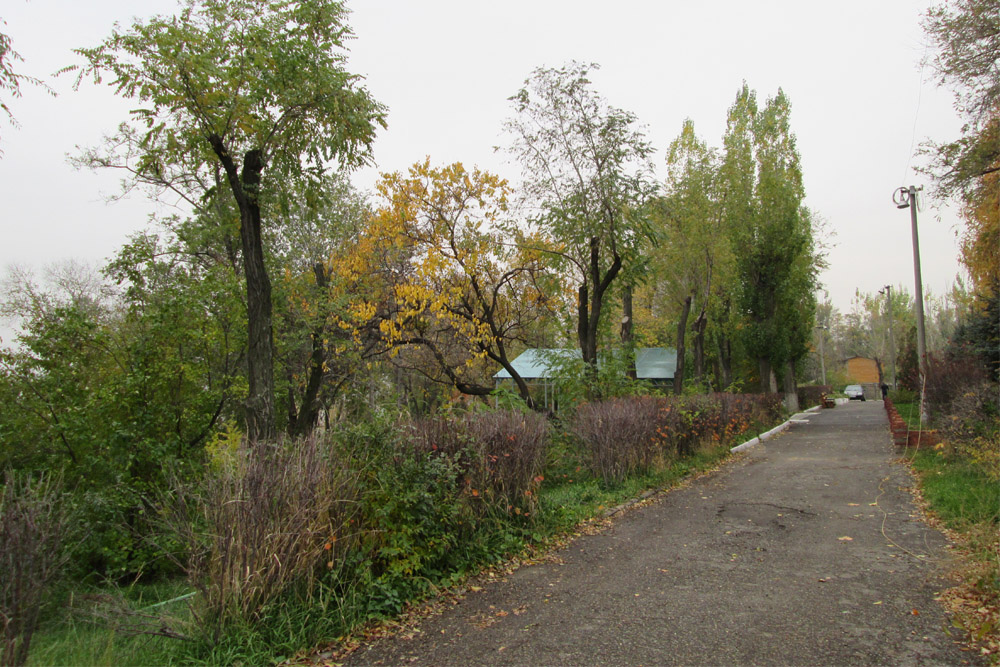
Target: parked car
point(855, 392)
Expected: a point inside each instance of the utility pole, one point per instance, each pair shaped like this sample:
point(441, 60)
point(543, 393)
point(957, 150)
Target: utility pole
point(907, 198)
point(887, 290)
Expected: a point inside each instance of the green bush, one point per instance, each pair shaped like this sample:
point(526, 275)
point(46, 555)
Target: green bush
point(903, 396)
point(445, 495)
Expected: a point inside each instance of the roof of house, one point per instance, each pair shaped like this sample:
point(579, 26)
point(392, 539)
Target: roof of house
point(651, 363)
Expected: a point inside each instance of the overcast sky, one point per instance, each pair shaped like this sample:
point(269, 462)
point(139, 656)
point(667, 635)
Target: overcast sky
point(861, 105)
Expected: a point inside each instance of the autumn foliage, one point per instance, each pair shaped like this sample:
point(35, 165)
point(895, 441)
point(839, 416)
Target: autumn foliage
point(503, 452)
point(626, 436)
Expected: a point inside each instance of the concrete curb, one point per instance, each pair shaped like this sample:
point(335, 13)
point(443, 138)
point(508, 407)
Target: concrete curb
point(774, 431)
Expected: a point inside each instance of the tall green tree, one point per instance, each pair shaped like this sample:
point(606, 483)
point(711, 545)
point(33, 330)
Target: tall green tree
point(777, 262)
point(691, 249)
point(114, 386)
point(967, 36)
point(245, 96)
point(587, 173)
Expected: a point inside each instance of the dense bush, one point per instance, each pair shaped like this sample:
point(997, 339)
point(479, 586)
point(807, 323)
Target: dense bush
point(621, 435)
point(624, 436)
point(972, 427)
point(443, 494)
point(903, 396)
point(502, 452)
point(948, 377)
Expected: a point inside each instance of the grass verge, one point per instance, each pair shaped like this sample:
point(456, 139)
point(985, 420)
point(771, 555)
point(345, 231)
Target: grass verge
point(910, 412)
point(966, 504)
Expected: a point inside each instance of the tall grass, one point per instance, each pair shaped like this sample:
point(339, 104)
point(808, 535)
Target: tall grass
point(267, 521)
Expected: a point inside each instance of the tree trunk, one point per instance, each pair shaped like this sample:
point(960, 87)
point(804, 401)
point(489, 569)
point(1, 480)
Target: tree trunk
point(681, 330)
point(291, 413)
point(791, 388)
point(725, 363)
point(700, 324)
point(626, 331)
point(768, 384)
point(308, 415)
point(260, 347)
point(522, 387)
point(583, 322)
point(245, 187)
point(589, 309)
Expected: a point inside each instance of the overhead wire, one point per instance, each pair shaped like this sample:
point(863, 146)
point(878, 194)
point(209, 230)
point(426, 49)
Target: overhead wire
point(916, 113)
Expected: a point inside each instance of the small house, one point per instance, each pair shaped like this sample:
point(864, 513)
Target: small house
point(539, 367)
point(862, 370)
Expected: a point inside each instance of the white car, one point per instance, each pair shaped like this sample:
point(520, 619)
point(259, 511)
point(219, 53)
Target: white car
point(855, 392)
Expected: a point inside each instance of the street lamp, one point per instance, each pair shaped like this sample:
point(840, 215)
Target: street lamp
point(887, 290)
point(907, 198)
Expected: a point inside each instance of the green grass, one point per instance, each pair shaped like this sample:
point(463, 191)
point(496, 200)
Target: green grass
point(910, 412)
point(968, 501)
point(957, 490)
point(572, 497)
point(70, 637)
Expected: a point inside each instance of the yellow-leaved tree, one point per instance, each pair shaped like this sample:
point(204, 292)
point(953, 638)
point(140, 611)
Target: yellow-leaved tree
point(457, 289)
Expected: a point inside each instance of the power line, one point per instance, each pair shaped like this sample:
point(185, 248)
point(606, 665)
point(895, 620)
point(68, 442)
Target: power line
point(916, 113)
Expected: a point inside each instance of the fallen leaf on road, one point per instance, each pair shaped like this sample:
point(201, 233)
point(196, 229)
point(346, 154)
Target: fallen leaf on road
point(853, 505)
point(915, 612)
point(845, 538)
point(879, 602)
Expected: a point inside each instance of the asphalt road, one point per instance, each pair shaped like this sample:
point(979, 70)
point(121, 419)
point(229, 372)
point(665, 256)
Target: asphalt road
point(806, 551)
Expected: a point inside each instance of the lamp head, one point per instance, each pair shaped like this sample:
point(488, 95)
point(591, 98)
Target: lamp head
point(901, 198)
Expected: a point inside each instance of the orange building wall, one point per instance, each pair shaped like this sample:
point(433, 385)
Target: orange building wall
point(862, 370)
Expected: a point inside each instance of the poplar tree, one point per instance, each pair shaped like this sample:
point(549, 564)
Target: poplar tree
point(776, 260)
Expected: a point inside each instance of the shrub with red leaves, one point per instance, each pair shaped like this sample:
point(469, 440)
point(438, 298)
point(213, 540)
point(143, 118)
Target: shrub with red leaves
point(502, 452)
point(625, 436)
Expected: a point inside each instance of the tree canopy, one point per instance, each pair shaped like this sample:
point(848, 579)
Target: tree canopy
point(246, 96)
point(967, 36)
point(588, 177)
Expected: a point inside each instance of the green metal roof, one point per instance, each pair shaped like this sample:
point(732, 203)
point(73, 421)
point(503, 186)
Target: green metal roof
point(651, 363)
